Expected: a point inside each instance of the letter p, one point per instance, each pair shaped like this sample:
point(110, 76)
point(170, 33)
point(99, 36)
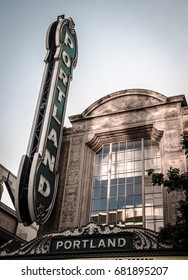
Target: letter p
point(59, 245)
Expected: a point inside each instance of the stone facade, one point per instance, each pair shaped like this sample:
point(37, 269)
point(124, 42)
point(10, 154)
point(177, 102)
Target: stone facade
point(10, 228)
point(120, 116)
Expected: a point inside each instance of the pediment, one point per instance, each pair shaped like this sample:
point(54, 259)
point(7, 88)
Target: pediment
point(124, 100)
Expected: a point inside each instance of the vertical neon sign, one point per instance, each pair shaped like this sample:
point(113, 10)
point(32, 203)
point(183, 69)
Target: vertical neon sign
point(38, 173)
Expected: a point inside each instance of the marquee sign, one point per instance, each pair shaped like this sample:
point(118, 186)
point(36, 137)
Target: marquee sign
point(38, 176)
point(91, 244)
point(100, 242)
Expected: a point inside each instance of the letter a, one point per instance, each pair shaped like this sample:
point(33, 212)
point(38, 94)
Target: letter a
point(53, 136)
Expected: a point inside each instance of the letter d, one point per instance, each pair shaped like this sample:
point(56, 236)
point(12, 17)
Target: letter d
point(44, 186)
point(121, 242)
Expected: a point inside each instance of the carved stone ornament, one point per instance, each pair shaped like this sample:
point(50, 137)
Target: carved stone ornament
point(125, 100)
point(143, 239)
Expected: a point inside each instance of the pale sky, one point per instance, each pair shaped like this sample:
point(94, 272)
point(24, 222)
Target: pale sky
point(122, 44)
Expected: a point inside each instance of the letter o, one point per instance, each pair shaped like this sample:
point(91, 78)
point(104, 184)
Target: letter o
point(66, 59)
point(67, 244)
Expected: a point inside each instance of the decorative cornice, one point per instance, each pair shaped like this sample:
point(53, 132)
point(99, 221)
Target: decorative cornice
point(99, 139)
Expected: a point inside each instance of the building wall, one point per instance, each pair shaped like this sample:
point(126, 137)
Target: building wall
point(120, 116)
point(8, 219)
point(27, 233)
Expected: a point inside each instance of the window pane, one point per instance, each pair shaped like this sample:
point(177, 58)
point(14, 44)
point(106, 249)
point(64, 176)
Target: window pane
point(113, 191)
point(137, 200)
point(137, 144)
point(97, 182)
point(129, 190)
point(138, 212)
point(118, 184)
point(121, 190)
point(156, 151)
point(129, 214)
point(104, 192)
point(112, 218)
point(147, 142)
point(97, 170)
point(114, 157)
point(105, 159)
point(113, 203)
point(96, 193)
point(147, 153)
point(121, 167)
point(104, 182)
point(114, 181)
point(104, 169)
point(102, 218)
point(98, 159)
point(121, 156)
point(158, 199)
point(130, 180)
point(149, 211)
point(122, 146)
point(114, 147)
point(157, 189)
point(105, 177)
point(138, 173)
point(150, 225)
point(159, 224)
point(148, 164)
point(138, 179)
point(138, 154)
point(121, 202)
point(148, 189)
point(120, 216)
point(103, 203)
point(128, 155)
point(138, 165)
point(94, 219)
point(129, 201)
point(130, 145)
point(122, 180)
point(149, 202)
point(158, 212)
point(130, 166)
point(95, 205)
point(138, 189)
point(106, 149)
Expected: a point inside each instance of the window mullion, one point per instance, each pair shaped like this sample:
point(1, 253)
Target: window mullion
point(143, 183)
point(109, 180)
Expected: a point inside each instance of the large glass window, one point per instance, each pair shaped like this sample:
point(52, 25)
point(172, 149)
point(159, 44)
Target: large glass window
point(122, 191)
point(152, 194)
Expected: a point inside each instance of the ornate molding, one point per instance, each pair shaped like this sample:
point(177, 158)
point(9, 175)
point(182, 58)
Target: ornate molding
point(69, 211)
point(143, 239)
point(99, 139)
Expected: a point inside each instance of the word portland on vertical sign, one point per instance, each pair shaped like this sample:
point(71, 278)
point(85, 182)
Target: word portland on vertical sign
point(38, 172)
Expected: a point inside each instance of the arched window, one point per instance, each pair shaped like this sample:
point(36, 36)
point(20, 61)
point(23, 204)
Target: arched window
point(122, 192)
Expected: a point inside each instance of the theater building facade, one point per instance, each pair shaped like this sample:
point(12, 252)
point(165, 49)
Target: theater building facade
point(105, 157)
point(106, 205)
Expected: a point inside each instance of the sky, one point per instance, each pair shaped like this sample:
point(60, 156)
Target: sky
point(122, 44)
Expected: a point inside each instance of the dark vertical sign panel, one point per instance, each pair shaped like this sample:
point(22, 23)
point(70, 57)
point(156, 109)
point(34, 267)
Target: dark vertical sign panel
point(37, 180)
